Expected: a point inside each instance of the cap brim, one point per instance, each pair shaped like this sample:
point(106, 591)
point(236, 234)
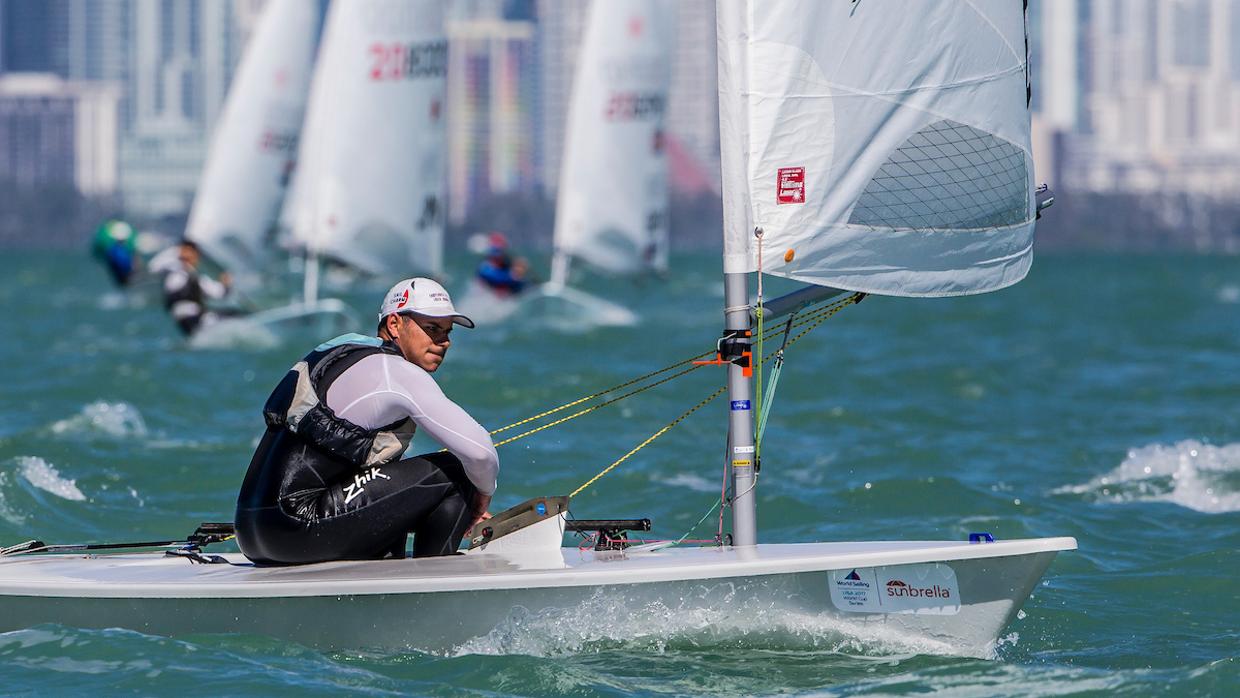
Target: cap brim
point(456, 318)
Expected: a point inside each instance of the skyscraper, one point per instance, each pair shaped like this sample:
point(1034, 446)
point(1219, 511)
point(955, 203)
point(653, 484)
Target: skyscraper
point(561, 25)
point(181, 55)
point(492, 98)
point(55, 132)
point(1055, 28)
point(33, 37)
point(693, 109)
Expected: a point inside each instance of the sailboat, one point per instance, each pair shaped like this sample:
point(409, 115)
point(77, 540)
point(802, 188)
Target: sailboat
point(612, 203)
point(368, 192)
point(249, 164)
point(867, 148)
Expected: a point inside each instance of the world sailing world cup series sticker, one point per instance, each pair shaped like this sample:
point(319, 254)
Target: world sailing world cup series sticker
point(740, 405)
point(790, 185)
point(928, 589)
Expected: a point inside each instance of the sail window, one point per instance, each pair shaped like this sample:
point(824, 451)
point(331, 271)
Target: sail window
point(947, 176)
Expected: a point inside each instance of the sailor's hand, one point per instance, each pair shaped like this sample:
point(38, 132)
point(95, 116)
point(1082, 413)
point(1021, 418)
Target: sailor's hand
point(481, 503)
point(226, 279)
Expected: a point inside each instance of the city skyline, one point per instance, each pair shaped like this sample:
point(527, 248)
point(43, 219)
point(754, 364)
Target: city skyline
point(1137, 96)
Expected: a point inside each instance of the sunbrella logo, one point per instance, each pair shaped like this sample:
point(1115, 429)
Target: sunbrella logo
point(899, 589)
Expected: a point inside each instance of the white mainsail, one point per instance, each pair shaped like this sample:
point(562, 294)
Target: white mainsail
point(881, 146)
point(369, 186)
point(612, 202)
point(255, 141)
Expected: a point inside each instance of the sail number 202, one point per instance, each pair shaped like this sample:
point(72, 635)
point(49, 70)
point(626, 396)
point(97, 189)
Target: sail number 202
point(401, 61)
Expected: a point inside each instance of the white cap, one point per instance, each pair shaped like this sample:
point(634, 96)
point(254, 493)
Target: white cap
point(424, 297)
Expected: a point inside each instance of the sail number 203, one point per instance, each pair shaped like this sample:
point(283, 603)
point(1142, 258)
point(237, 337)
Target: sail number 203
point(398, 61)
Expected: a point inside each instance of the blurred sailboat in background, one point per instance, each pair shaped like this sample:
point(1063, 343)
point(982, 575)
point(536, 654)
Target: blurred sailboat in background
point(612, 202)
point(254, 147)
point(251, 159)
point(367, 195)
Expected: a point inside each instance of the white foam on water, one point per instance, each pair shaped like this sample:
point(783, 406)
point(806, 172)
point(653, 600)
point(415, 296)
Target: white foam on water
point(116, 419)
point(43, 475)
point(1189, 473)
point(697, 483)
point(608, 620)
point(1229, 293)
point(112, 300)
point(7, 512)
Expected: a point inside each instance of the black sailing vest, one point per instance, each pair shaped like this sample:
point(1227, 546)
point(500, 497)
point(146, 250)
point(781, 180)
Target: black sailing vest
point(191, 291)
point(297, 405)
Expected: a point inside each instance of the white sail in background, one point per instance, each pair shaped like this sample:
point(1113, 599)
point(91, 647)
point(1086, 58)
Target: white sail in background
point(255, 140)
point(882, 146)
point(369, 186)
point(612, 202)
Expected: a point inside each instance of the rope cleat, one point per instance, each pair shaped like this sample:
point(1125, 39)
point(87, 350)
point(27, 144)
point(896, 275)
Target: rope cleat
point(734, 347)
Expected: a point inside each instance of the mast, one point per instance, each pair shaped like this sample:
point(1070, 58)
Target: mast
point(310, 280)
point(740, 413)
point(559, 270)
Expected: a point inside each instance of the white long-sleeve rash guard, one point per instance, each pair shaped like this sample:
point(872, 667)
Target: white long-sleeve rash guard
point(383, 388)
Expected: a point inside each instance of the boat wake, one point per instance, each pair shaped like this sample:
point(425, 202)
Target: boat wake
point(119, 420)
point(234, 333)
point(484, 307)
point(562, 309)
point(267, 329)
point(609, 621)
point(1190, 473)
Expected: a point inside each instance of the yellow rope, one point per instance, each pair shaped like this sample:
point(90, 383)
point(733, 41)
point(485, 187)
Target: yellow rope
point(591, 408)
point(815, 319)
point(647, 442)
point(820, 314)
point(600, 393)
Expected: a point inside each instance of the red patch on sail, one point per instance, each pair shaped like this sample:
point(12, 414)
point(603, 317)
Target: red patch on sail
point(790, 185)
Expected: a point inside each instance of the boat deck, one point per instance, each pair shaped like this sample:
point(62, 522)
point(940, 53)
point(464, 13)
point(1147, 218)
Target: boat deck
point(155, 575)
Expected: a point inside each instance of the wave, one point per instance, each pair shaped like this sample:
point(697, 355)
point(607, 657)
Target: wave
point(113, 419)
point(1189, 473)
point(44, 476)
point(36, 473)
point(1229, 293)
point(697, 483)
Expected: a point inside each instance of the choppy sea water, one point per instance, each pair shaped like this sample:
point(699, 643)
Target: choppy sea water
point(1097, 399)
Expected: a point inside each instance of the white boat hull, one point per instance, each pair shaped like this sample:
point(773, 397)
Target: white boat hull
point(441, 604)
point(326, 316)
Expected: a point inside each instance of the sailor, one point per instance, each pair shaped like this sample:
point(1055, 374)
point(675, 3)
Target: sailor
point(328, 480)
point(499, 271)
point(186, 290)
point(115, 244)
